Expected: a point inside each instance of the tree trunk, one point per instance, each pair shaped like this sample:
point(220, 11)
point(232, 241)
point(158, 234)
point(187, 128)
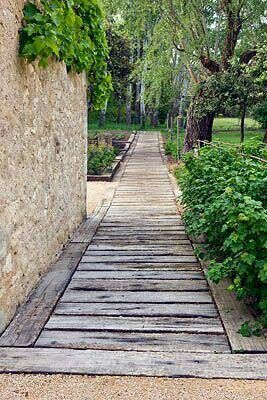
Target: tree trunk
point(265, 137)
point(197, 129)
point(129, 105)
point(242, 124)
point(154, 118)
point(137, 104)
point(102, 118)
point(119, 111)
point(142, 105)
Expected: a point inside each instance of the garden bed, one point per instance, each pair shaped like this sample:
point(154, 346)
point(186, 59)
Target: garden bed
point(121, 143)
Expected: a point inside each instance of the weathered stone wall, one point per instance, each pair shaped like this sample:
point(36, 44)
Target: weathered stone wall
point(42, 163)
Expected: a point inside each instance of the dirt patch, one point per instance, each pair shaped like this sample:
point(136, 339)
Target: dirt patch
point(64, 387)
point(98, 193)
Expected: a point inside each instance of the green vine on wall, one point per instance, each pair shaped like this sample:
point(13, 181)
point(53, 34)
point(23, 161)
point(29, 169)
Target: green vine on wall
point(71, 31)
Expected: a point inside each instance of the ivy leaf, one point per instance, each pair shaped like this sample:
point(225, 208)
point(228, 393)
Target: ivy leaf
point(70, 18)
point(263, 274)
point(30, 10)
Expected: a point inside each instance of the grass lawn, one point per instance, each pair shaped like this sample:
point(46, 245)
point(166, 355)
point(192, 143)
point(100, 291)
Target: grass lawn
point(228, 130)
point(234, 136)
point(233, 124)
point(224, 129)
point(93, 128)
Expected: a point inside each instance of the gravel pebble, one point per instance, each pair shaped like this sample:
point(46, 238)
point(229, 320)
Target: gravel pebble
point(71, 387)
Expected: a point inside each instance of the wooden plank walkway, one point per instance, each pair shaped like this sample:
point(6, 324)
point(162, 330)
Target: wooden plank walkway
point(137, 302)
point(166, 287)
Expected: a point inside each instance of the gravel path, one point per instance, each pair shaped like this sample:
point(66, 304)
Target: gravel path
point(64, 387)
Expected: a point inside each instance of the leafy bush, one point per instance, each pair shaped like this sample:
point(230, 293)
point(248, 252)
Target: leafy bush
point(171, 149)
point(71, 31)
point(260, 114)
point(100, 159)
point(225, 197)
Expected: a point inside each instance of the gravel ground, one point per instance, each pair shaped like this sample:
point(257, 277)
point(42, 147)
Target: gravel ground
point(70, 387)
point(97, 192)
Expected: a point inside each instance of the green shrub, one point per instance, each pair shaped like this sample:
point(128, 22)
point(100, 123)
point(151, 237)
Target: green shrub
point(100, 159)
point(225, 197)
point(171, 149)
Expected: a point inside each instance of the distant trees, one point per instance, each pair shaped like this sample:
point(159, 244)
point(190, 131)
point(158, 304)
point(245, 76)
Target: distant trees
point(178, 50)
point(260, 115)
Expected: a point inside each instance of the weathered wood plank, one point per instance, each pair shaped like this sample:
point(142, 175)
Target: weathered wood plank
point(141, 213)
point(167, 235)
point(137, 267)
point(100, 362)
point(233, 314)
point(139, 223)
point(133, 341)
point(181, 250)
point(80, 296)
point(88, 229)
point(140, 274)
point(137, 285)
point(136, 324)
point(137, 309)
point(144, 259)
point(32, 315)
point(138, 247)
point(136, 218)
point(141, 238)
point(142, 228)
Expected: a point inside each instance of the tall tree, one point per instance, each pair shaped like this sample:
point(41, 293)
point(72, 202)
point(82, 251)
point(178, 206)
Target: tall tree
point(119, 65)
point(209, 34)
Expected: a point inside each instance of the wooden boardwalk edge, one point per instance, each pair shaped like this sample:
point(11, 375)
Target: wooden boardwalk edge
point(132, 363)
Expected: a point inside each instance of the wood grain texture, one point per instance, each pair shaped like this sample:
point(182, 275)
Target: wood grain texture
point(141, 258)
point(102, 362)
point(138, 285)
point(152, 267)
point(89, 296)
point(133, 341)
point(138, 309)
point(135, 324)
point(142, 274)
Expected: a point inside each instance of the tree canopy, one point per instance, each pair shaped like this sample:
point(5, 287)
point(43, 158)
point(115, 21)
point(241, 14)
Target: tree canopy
point(180, 52)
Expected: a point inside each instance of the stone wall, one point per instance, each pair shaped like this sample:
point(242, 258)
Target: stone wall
point(42, 163)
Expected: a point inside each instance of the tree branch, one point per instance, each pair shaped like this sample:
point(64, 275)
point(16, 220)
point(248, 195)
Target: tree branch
point(234, 26)
point(247, 56)
point(209, 64)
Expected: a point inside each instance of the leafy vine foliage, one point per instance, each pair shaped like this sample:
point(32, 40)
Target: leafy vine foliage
point(225, 196)
point(72, 31)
